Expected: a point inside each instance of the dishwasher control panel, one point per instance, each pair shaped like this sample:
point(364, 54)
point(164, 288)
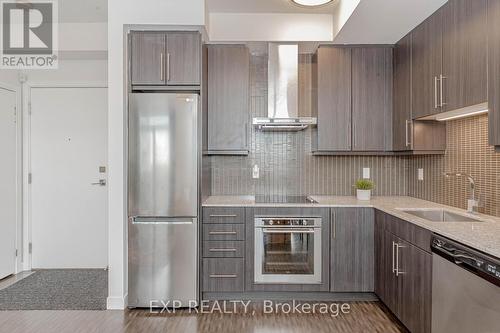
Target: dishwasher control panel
point(477, 262)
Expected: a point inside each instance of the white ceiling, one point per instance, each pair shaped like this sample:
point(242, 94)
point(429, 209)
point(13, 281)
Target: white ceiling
point(385, 21)
point(80, 11)
point(264, 6)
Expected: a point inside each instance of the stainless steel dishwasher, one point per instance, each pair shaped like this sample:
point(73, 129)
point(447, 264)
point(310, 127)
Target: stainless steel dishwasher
point(465, 289)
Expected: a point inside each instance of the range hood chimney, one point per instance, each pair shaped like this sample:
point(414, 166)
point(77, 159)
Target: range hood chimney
point(283, 91)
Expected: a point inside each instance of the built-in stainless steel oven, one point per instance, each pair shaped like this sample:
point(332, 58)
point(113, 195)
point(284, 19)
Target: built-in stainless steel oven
point(287, 250)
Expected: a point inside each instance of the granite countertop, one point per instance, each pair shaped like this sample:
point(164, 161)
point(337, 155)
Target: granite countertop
point(483, 236)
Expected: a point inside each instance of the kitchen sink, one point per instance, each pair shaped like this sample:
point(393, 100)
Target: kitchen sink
point(439, 215)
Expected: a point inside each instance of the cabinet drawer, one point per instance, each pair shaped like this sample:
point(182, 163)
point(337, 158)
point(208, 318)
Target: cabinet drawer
point(223, 232)
point(405, 230)
point(220, 249)
point(223, 215)
point(223, 274)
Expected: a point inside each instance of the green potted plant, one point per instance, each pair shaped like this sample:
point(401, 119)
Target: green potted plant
point(364, 189)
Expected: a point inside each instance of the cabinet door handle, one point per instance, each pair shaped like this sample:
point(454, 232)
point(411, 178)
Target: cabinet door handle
point(393, 253)
point(407, 143)
point(398, 272)
point(218, 276)
point(168, 67)
point(221, 250)
point(334, 223)
point(436, 103)
point(228, 215)
point(162, 70)
point(222, 232)
point(441, 80)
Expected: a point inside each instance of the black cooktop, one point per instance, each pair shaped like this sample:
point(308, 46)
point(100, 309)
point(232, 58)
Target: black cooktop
point(286, 199)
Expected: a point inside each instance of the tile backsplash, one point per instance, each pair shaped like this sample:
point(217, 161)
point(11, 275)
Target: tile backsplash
point(467, 151)
point(287, 166)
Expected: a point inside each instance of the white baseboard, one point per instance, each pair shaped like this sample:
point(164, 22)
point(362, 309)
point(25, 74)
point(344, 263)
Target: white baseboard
point(117, 303)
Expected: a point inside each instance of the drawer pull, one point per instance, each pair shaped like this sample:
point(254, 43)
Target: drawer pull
point(222, 250)
point(218, 276)
point(229, 215)
point(222, 232)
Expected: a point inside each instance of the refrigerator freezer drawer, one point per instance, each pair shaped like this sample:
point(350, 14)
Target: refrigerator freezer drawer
point(162, 261)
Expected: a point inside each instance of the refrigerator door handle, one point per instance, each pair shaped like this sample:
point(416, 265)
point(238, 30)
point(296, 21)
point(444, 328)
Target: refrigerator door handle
point(157, 220)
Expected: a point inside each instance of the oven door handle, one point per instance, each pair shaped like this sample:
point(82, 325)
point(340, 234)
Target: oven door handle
point(288, 231)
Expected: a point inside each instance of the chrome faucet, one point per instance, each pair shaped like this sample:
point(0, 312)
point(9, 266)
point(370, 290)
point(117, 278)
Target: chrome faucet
point(472, 203)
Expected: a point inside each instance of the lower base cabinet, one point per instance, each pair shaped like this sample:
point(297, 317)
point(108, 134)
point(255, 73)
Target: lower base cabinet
point(403, 278)
point(223, 275)
point(351, 256)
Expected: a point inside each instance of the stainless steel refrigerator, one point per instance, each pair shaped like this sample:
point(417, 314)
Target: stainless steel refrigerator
point(163, 199)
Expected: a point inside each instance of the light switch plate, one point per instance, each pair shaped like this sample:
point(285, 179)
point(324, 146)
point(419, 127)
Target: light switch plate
point(255, 172)
point(420, 174)
point(366, 173)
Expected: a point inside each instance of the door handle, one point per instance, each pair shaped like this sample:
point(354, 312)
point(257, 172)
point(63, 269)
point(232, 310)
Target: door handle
point(168, 66)
point(101, 182)
point(334, 223)
point(407, 140)
point(436, 103)
point(393, 253)
point(441, 79)
point(398, 272)
point(162, 71)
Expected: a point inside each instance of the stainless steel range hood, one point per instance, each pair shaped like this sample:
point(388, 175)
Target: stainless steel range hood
point(283, 88)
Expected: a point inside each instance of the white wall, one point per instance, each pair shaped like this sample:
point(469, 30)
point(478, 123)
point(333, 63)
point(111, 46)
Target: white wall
point(226, 27)
point(121, 13)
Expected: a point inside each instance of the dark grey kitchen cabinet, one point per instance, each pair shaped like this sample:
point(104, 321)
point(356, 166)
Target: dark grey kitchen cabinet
point(427, 41)
point(402, 94)
point(171, 58)
point(228, 99)
point(411, 135)
point(414, 278)
point(494, 72)
point(147, 58)
point(372, 99)
point(183, 59)
point(333, 111)
point(464, 71)
point(223, 275)
point(403, 278)
point(351, 250)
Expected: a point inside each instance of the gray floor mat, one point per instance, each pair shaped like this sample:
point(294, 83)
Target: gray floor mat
point(58, 289)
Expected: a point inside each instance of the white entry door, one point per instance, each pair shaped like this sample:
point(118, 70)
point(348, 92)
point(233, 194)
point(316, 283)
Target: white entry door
point(8, 180)
point(68, 159)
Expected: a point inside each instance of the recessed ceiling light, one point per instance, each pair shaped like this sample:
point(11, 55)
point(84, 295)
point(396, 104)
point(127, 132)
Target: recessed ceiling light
point(311, 3)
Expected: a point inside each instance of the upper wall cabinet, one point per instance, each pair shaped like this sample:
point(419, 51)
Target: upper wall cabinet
point(494, 72)
point(333, 112)
point(228, 99)
point(449, 58)
point(172, 58)
point(372, 99)
point(426, 56)
point(464, 81)
point(354, 100)
point(410, 135)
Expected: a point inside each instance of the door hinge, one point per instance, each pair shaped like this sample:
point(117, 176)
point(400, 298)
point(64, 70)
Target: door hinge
point(29, 108)
point(30, 178)
point(30, 248)
point(17, 252)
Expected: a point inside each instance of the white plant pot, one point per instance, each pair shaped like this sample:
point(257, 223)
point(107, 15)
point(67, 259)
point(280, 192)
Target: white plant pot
point(363, 194)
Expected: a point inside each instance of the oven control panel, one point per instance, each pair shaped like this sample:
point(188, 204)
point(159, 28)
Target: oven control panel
point(287, 222)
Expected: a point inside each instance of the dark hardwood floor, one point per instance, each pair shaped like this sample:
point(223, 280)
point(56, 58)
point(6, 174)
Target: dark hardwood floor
point(363, 317)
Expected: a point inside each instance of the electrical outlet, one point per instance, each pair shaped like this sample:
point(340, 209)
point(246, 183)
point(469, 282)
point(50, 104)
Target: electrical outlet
point(366, 173)
point(255, 172)
point(420, 174)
